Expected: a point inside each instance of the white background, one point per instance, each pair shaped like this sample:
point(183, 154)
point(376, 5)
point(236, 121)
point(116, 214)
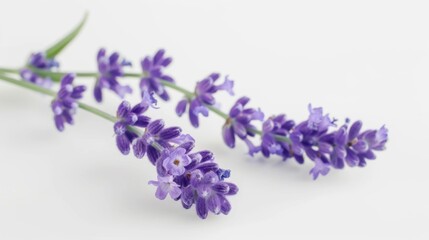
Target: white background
point(365, 60)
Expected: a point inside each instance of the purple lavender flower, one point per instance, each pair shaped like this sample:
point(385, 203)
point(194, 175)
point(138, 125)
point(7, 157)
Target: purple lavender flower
point(129, 117)
point(317, 121)
point(153, 75)
point(204, 91)
point(240, 124)
point(208, 193)
point(273, 127)
point(189, 177)
point(157, 138)
point(110, 69)
point(201, 181)
point(165, 186)
point(360, 147)
point(319, 168)
point(39, 61)
point(313, 139)
point(176, 161)
point(65, 104)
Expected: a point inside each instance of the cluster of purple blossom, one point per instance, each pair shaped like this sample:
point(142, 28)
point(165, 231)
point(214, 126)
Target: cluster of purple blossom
point(192, 178)
point(203, 97)
point(65, 104)
point(312, 138)
point(110, 68)
point(39, 61)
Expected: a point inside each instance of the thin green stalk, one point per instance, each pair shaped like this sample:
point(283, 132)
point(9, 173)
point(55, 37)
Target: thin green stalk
point(178, 88)
point(57, 75)
point(9, 70)
point(28, 85)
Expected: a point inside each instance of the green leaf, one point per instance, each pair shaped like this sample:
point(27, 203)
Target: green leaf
point(62, 43)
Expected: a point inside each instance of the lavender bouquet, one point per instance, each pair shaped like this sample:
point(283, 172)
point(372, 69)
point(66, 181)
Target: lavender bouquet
point(192, 177)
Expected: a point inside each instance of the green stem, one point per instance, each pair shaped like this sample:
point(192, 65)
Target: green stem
point(28, 85)
point(188, 94)
point(9, 70)
point(177, 88)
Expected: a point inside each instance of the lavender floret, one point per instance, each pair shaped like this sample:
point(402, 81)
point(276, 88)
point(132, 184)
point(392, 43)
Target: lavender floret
point(65, 104)
point(40, 62)
point(204, 96)
point(191, 177)
point(153, 74)
point(240, 124)
point(110, 68)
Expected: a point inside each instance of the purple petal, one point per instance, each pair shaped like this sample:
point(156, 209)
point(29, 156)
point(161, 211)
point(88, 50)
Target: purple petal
point(233, 189)
point(354, 130)
point(361, 146)
point(97, 93)
point(175, 192)
point(59, 122)
point(142, 121)
point(201, 208)
point(101, 53)
point(252, 148)
point(221, 187)
point(243, 101)
point(325, 147)
point(166, 61)
point(351, 158)
point(123, 144)
point(139, 108)
point(341, 137)
point(139, 148)
point(319, 168)
point(187, 197)
point(158, 56)
point(181, 107)
point(227, 86)
point(194, 119)
point(207, 98)
point(169, 133)
point(240, 130)
point(235, 110)
point(146, 64)
point(152, 154)
point(161, 193)
point(213, 204)
point(67, 79)
point(268, 125)
point(225, 205)
point(155, 126)
point(228, 135)
point(123, 109)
